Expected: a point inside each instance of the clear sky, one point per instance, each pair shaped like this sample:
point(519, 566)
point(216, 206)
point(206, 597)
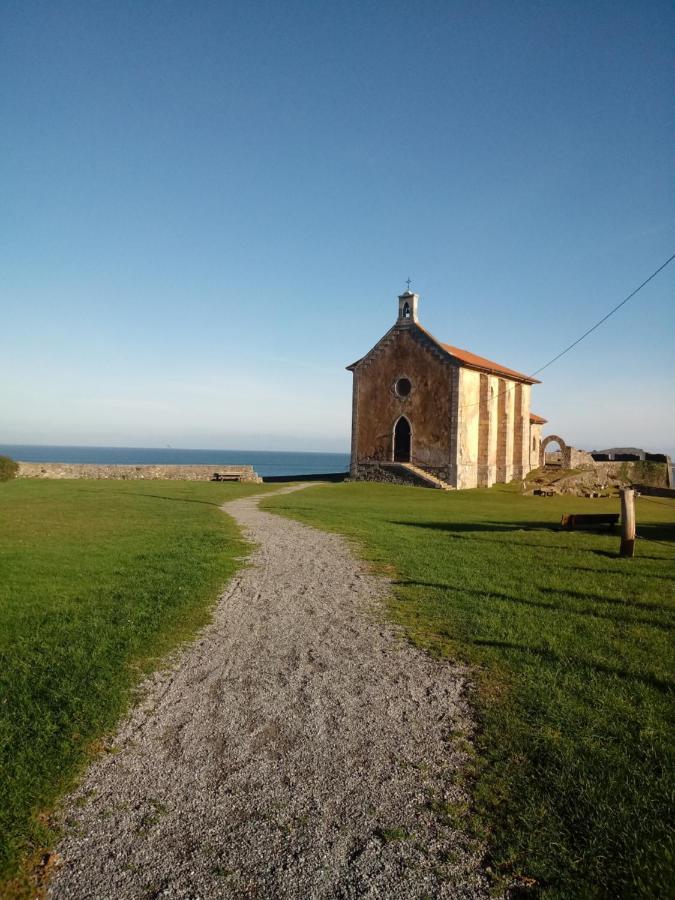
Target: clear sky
point(207, 210)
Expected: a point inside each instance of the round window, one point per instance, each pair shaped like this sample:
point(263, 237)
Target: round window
point(403, 387)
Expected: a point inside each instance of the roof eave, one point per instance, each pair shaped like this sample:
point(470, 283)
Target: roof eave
point(501, 373)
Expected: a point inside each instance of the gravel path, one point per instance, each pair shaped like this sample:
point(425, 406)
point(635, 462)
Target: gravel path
point(300, 748)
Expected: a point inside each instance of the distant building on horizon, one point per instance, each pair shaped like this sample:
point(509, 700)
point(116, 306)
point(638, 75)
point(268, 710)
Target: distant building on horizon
point(428, 412)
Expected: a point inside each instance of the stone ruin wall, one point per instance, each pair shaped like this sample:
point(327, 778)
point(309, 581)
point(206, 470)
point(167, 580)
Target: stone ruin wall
point(134, 473)
point(601, 477)
point(579, 458)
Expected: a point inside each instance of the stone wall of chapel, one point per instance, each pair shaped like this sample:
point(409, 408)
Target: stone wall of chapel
point(483, 475)
point(469, 431)
point(493, 383)
point(493, 430)
point(521, 432)
point(505, 429)
point(487, 431)
point(427, 407)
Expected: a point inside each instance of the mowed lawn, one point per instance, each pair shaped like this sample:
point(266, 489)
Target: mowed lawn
point(98, 579)
point(573, 669)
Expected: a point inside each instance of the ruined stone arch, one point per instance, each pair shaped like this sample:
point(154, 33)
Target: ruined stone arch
point(554, 439)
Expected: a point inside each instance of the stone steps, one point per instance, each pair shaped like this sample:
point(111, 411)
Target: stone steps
point(418, 475)
point(434, 480)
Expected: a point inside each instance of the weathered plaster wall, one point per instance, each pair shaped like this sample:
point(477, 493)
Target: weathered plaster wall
point(494, 429)
point(521, 431)
point(503, 439)
point(427, 407)
point(493, 386)
point(505, 426)
point(484, 425)
point(469, 432)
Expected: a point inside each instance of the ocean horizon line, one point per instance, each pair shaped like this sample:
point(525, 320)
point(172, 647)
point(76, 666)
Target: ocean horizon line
point(264, 462)
point(170, 447)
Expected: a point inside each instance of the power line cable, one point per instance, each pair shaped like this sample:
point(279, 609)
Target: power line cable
point(604, 318)
point(586, 333)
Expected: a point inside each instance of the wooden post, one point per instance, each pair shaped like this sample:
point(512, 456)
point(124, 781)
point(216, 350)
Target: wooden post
point(627, 522)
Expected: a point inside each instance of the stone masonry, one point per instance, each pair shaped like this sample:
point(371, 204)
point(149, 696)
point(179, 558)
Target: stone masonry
point(132, 473)
point(456, 415)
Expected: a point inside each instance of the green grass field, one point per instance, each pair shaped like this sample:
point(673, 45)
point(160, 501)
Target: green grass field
point(573, 659)
point(97, 580)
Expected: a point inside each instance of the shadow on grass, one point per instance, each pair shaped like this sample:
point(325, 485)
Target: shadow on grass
point(620, 601)
point(569, 662)
point(611, 554)
point(663, 535)
point(461, 527)
point(657, 531)
point(463, 532)
point(156, 497)
point(560, 607)
point(624, 571)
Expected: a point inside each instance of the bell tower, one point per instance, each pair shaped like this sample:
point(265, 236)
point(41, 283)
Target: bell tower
point(407, 307)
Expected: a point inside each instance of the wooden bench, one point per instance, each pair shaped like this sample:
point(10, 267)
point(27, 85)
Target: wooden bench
point(589, 520)
point(544, 492)
point(226, 476)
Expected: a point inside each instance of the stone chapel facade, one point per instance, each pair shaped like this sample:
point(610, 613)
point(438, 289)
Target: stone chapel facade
point(422, 407)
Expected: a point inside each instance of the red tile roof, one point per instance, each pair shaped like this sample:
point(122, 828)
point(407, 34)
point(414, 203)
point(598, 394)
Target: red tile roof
point(465, 357)
point(537, 420)
point(479, 362)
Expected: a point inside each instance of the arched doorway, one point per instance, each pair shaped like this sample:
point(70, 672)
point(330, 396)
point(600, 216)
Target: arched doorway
point(555, 459)
point(402, 440)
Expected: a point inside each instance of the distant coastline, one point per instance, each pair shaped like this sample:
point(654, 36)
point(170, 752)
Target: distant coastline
point(265, 462)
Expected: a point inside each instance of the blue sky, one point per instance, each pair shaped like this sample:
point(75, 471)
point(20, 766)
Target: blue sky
point(208, 210)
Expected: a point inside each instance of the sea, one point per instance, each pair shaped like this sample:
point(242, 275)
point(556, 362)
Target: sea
point(264, 462)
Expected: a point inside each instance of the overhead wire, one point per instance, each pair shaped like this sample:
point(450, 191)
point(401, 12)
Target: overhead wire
point(583, 336)
point(604, 318)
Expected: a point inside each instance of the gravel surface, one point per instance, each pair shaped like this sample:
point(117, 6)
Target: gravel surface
point(299, 748)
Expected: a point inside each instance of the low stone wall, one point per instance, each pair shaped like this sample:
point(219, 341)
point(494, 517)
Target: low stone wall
point(134, 473)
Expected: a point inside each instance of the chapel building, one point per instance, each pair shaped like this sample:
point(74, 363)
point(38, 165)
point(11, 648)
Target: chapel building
point(424, 408)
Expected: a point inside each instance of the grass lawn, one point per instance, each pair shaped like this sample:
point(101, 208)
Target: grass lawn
point(97, 580)
point(573, 656)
